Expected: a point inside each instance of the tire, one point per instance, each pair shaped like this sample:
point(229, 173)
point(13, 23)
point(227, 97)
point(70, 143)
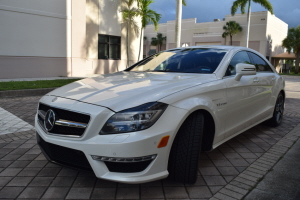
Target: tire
point(278, 112)
point(183, 159)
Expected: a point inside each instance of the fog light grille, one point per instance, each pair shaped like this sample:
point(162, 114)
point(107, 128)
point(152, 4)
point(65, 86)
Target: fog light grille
point(126, 165)
point(124, 160)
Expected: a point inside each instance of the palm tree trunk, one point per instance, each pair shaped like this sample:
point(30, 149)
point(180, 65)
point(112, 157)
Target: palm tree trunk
point(140, 43)
point(231, 40)
point(178, 23)
point(127, 34)
point(248, 23)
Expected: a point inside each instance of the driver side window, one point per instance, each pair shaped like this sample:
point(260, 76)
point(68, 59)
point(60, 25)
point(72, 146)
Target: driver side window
point(240, 57)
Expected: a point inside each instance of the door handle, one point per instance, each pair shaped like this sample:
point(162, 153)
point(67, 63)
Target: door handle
point(273, 78)
point(255, 80)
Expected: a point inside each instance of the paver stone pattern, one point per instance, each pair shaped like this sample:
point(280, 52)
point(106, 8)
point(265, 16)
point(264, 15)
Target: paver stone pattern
point(26, 174)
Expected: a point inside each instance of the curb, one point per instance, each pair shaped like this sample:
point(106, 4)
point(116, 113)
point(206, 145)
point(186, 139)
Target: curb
point(24, 93)
point(240, 186)
point(290, 76)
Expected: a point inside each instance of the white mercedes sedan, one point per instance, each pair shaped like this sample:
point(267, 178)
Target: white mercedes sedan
point(151, 120)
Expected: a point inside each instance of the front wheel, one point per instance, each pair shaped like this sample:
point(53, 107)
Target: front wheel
point(183, 159)
point(278, 111)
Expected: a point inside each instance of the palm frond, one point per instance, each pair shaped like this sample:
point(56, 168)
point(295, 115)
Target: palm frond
point(266, 4)
point(147, 15)
point(158, 40)
point(243, 7)
point(236, 4)
point(231, 28)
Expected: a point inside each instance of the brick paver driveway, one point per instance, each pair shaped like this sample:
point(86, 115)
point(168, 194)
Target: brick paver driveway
point(26, 174)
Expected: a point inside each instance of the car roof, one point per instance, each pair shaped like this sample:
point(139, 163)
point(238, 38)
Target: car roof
point(225, 47)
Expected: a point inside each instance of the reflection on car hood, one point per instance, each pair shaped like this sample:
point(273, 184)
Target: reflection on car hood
point(124, 90)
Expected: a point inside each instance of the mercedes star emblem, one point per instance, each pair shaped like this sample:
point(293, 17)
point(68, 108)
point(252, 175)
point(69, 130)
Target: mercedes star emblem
point(49, 120)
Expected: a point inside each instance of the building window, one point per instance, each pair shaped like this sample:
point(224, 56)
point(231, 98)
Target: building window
point(109, 47)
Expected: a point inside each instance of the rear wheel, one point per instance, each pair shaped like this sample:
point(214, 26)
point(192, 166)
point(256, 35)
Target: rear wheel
point(183, 160)
point(278, 111)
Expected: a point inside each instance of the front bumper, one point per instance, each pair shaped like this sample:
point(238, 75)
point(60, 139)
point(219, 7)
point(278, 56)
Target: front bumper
point(127, 145)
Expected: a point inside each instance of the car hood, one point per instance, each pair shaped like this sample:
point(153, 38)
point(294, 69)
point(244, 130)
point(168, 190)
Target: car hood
point(122, 90)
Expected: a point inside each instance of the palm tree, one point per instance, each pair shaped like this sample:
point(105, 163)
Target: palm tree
point(242, 4)
point(178, 21)
point(158, 41)
point(231, 28)
point(292, 42)
point(147, 16)
point(128, 15)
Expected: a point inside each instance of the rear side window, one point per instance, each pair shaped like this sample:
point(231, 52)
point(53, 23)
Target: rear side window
point(240, 57)
point(260, 64)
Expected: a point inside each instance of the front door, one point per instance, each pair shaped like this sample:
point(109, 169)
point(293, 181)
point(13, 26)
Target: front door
point(266, 79)
point(242, 96)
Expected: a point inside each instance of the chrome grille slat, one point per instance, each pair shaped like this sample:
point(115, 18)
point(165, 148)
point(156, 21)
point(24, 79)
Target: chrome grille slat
point(42, 114)
point(62, 122)
point(67, 123)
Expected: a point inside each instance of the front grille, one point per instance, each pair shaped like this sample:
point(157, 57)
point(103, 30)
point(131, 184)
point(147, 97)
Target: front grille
point(61, 114)
point(127, 167)
point(66, 114)
point(63, 155)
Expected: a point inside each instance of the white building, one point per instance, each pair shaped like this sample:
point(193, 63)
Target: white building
point(266, 33)
point(46, 38)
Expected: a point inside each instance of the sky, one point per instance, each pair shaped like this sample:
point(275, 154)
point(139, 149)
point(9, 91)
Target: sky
point(208, 10)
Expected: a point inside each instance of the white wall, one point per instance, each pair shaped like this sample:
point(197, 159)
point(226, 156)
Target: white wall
point(262, 25)
point(276, 31)
point(104, 17)
point(34, 28)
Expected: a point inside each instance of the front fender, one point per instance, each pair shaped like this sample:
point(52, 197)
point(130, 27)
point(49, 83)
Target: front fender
point(210, 97)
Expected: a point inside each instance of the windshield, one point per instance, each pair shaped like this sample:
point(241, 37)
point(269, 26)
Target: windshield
point(189, 60)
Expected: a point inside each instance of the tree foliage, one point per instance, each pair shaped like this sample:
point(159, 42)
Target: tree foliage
point(242, 4)
point(292, 43)
point(129, 14)
point(147, 16)
point(158, 40)
point(231, 28)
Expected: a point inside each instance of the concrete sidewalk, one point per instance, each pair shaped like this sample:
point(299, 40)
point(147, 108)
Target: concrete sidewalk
point(282, 183)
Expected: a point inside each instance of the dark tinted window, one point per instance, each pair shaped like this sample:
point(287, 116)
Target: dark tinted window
point(189, 60)
point(240, 57)
point(260, 64)
point(109, 47)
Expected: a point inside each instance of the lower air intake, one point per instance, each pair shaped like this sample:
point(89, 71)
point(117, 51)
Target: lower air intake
point(127, 167)
point(63, 155)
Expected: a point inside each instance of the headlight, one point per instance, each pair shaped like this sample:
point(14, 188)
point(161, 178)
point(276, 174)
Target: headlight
point(134, 119)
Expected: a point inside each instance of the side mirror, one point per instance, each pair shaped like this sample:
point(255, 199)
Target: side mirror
point(243, 69)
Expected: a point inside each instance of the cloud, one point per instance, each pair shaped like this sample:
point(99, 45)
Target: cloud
point(208, 10)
